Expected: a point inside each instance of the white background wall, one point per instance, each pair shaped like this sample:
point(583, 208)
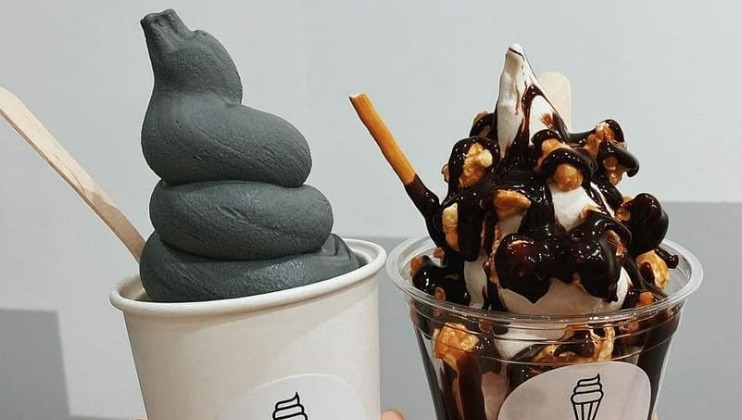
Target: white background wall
point(667, 71)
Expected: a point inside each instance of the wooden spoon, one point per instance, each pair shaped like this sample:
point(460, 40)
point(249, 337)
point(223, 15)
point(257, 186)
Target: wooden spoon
point(41, 140)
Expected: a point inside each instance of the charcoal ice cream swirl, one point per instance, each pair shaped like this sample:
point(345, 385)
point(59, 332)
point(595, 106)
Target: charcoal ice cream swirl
point(232, 215)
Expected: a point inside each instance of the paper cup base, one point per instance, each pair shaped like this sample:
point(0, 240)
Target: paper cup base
point(301, 353)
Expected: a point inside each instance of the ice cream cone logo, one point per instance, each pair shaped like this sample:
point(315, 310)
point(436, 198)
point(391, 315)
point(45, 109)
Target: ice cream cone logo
point(289, 409)
point(586, 397)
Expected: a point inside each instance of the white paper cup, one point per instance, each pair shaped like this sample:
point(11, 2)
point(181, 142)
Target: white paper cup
point(310, 352)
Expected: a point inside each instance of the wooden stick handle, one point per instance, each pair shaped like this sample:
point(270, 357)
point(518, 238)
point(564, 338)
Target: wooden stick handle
point(557, 88)
point(37, 136)
point(383, 137)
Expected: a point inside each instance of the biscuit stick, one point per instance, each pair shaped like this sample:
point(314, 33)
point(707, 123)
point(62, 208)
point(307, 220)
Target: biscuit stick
point(425, 201)
point(383, 137)
point(41, 140)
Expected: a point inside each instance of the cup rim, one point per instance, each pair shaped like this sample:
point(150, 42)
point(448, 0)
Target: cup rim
point(394, 262)
point(128, 291)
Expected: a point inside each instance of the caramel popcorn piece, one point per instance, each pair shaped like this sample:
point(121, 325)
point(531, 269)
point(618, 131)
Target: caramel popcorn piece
point(603, 132)
point(654, 268)
point(477, 160)
point(547, 147)
point(614, 171)
point(415, 264)
point(592, 144)
point(450, 221)
point(616, 240)
point(645, 298)
point(452, 342)
point(510, 203)
point(623, 214)
point(440, 293)
point(605, 345)
point(566, 177)
point(606, 131)
point(475, 165)
point(566, 352)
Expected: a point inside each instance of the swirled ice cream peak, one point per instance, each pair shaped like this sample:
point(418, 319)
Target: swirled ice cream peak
point(516, 79)
point(533, 221)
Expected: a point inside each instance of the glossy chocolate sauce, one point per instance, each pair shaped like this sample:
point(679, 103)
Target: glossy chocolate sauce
point(608, 239)
point(541, 250)
point(523, 367)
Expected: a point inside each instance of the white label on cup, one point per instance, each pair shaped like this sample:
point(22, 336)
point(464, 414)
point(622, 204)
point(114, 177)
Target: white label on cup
point(590, 391)
point(301, 397)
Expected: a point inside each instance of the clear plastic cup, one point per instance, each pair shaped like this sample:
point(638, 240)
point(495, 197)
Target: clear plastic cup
point(488, 365)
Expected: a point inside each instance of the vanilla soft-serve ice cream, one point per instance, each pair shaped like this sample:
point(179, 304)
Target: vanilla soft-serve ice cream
point(533, 222)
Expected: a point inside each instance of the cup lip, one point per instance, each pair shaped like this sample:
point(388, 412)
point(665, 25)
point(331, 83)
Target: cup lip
point(394, 262)
point(125, 295)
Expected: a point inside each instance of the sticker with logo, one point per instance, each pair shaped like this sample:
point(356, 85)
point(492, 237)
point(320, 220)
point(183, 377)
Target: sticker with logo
point(591, 391)
point(301, 397)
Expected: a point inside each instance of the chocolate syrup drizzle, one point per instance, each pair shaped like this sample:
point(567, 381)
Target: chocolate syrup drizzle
point(592, 253)
point(541, 250)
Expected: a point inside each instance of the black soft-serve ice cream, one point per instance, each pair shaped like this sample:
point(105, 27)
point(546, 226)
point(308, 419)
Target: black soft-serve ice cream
point(232, 215)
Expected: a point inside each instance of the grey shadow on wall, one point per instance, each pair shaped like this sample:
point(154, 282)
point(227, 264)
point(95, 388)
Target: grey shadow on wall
point(32, 385)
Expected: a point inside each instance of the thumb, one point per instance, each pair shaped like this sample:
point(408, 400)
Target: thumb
point(392, 415)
